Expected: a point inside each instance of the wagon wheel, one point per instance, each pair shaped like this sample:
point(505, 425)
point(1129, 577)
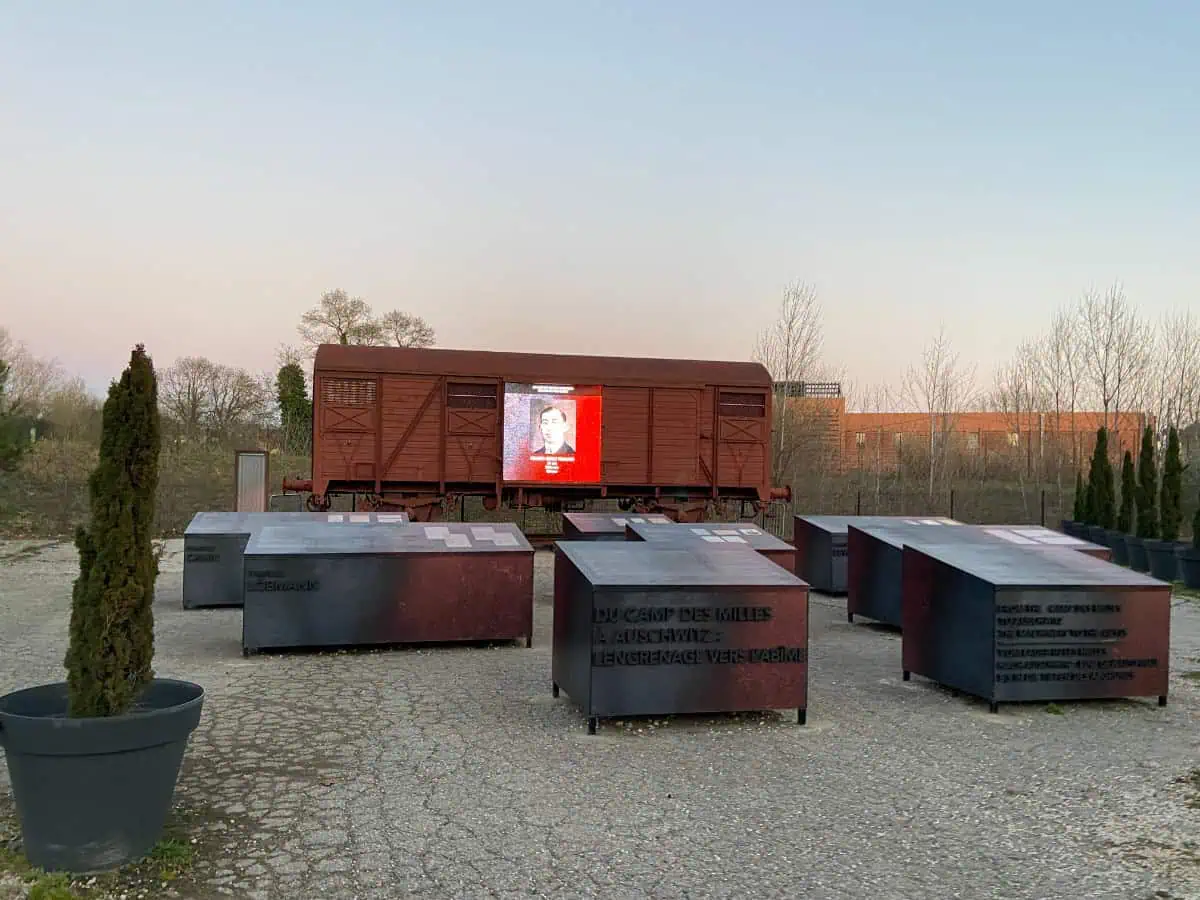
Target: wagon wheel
point(318, 502)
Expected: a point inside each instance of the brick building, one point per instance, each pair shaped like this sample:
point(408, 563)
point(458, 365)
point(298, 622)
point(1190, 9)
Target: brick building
point(850, 441)
point(1035, 439)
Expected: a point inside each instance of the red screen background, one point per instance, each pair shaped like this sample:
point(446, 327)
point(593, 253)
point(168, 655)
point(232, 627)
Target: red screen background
point(584, 468)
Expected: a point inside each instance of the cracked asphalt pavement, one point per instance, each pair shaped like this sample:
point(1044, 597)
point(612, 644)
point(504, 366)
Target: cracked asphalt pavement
point(451, 772)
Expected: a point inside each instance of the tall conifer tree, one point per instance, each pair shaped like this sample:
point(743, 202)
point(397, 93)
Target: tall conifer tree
point(1170, 512)
point(1128, 494)
point(111, 645)
point(1147, 506)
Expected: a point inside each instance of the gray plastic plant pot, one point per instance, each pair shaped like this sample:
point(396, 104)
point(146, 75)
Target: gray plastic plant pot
point(1117, 541)
point(1162, 560)
point(1189, 567)
point(93, 794)
point(1137, 554)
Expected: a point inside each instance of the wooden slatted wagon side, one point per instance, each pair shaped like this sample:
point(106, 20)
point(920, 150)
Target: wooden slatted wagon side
point(417, 428)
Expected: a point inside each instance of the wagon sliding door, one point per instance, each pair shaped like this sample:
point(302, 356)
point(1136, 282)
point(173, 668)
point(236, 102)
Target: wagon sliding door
point(412, 429)
point(472, 431)
point(675, 436)
point(624, 443)
point(742, 433)
point(437, 430)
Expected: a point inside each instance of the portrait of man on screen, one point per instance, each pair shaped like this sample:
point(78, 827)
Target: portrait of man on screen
point(554, 427)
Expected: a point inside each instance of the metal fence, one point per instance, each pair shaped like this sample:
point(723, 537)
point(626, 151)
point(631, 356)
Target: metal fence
point(1041, 506)
point(1036, 506)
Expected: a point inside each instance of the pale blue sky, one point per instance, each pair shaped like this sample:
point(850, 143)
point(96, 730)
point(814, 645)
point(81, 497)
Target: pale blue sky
point(585, 177)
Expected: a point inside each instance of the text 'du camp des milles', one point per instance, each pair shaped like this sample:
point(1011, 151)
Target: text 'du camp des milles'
point(1063, 642)
point(684, 636)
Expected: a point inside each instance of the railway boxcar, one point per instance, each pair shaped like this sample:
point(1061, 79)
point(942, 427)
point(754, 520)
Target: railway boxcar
point(415, 428)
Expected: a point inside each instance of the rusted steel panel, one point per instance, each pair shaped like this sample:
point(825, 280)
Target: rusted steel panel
point(675, 437)
point(821, 552)
point(876, 554)
point(540, 367)
point(820, 542)
point(640, 630)
point(213, 544)
point(603, 526)
point(822, 545)
point(745, 536)
point(314, 585)
point(624, 447)
point(1010, 624)
point(874, 575)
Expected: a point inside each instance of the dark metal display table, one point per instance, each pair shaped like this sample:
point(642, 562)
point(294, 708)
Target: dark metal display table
point(1038, 534)
point(875, 552)
point(821, 548)
point(318, 585)
point(1008, 624)
point(644, 630)
point(718, 536)
point(213, 544)
point(604, 526)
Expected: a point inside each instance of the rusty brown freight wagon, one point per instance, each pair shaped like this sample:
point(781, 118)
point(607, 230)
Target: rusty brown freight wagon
point(415, 428)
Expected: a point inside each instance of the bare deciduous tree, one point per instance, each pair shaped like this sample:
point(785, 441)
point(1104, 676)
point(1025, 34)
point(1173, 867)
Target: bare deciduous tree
point(790, 349)
point(213, 401)
point(183, 393)
point(405, 330)
point(342, 319)
point(73, 411)
point(940, 386)
point(1176, 371)
point(236, 398)
point(1061, 366)
point(286, 355)
point(871, 398)
point(1020, 397)
point(339, 319)
point(32, 382)
point(1118, 351)
point(289, 354)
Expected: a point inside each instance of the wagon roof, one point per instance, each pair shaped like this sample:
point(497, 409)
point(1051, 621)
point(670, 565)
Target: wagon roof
point(538, 367)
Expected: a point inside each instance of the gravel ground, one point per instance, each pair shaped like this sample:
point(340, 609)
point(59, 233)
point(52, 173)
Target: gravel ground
point(452, 773)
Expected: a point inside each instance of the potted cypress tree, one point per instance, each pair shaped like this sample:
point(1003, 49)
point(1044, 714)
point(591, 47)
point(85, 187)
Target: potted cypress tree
point(1102, 490)
point(1189, 557)
point(1162, 554)
point(1087, 508)
point(1125, 514)
point(94, 760)
point(1146, 524)
point(1073, 525)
